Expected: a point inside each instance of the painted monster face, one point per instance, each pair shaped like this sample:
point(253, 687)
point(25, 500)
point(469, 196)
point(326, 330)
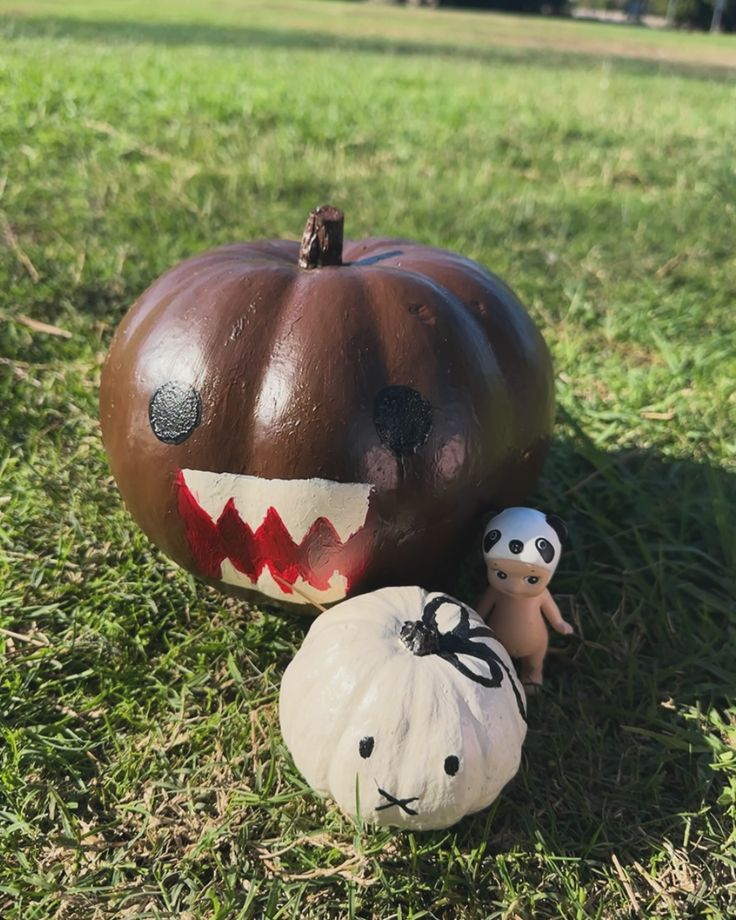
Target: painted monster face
point(311, 433)
point(303, 538)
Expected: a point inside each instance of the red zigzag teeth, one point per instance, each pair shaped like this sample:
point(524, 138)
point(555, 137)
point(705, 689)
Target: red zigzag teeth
point(271, 546)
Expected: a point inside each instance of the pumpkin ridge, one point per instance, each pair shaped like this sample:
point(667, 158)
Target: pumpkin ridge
point(403, 272)
point(283, 253)
point(352, 706)
point(234, 357)
point(371, 248)
point(312, 682)
point(454, 316)
point(371, 317)
point(259, 382)
point(425, 710)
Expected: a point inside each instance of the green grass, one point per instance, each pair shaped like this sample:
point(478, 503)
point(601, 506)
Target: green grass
point(141, 768)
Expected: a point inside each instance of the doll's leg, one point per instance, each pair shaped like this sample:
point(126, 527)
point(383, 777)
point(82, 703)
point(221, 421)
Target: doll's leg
point(533, 665)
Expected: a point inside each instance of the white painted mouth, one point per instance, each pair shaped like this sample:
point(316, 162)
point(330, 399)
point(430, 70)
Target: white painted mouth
point(302, 591)
point(299, 503)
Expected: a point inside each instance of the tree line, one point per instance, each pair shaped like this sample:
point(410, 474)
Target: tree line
point(714, 15)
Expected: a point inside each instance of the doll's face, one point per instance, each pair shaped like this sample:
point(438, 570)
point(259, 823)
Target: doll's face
point(517, 579)
point(522, 547)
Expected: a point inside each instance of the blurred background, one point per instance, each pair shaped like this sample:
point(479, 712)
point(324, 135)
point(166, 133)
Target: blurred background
point(712, 15)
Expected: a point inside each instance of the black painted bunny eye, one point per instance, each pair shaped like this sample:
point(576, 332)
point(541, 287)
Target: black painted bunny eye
point(490, 540)
point(501, 575)
point(365, 747)
point(532, 579)
point(174, 411)
point(403, 419)
point(452, 765)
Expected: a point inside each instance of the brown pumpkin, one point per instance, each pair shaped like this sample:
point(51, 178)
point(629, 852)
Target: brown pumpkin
point(309, 423)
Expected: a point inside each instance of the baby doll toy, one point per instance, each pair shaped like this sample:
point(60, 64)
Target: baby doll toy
point(522, 547)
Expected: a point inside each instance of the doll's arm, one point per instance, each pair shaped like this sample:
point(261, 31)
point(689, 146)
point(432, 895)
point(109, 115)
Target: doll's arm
point(486, 604)
point(552, 612)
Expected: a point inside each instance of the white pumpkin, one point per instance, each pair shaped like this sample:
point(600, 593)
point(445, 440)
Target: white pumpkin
point(403, 708)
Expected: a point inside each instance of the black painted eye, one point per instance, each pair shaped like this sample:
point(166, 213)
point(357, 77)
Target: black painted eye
point(403, 419)
point(501, 575)
point(546, 550)
point(452, 765)
point(174, 411)
point(490, 540)
point(365, 747)
point(532, 579)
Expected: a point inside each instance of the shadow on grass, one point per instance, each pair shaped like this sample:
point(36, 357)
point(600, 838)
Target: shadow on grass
point(621, 744)
point(619, 752)
point(204, 34)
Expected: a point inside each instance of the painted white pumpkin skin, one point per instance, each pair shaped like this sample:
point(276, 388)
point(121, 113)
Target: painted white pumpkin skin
point(424, 737)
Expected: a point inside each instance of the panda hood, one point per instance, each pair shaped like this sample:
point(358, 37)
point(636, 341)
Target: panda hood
point(525, 535)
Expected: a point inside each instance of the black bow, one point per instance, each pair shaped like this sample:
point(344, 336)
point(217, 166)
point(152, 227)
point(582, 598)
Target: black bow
point(424, 638)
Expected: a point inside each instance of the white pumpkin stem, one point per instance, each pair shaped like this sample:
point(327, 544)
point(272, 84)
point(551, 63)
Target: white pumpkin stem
point(420, 638)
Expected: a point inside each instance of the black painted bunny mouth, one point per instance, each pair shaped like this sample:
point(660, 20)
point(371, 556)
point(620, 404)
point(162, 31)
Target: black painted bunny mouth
point(402, 803)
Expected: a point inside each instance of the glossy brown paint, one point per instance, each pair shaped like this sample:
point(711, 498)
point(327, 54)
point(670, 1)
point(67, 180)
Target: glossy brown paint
point(288, 363)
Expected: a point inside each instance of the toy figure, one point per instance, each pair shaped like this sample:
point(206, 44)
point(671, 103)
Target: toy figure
point(522, 547)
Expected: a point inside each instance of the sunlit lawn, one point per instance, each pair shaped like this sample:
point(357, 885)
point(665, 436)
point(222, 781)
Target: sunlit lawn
point(141, 771)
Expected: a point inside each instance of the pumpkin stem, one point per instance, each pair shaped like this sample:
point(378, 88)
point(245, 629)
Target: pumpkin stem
point(420, 638)
point(322, 240)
